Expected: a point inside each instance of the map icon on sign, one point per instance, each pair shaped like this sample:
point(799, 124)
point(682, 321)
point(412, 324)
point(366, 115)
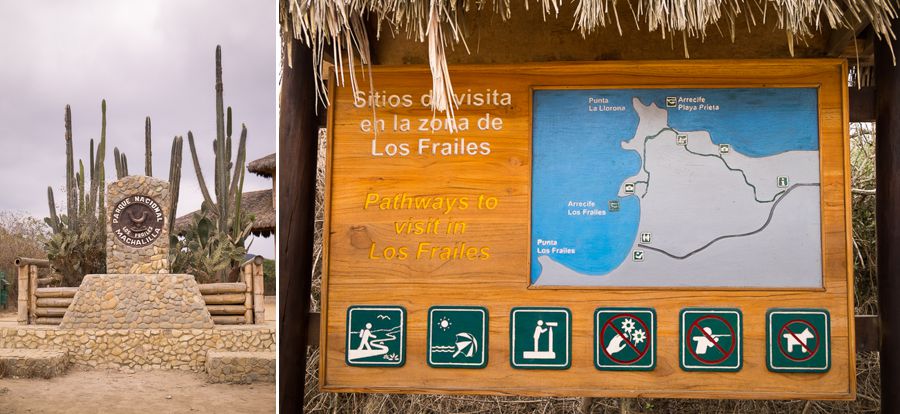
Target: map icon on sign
point(798, 340)
point(625, 339)
point(457, 336)
point(540, 338)
point(376, 336)
point(711, 339)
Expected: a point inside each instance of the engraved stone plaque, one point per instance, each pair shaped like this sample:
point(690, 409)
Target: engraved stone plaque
point(137, 239)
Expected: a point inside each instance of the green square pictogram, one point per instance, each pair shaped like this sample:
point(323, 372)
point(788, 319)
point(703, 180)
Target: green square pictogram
point(798, 340)
point(540, 338)
point(710, 339)
point(457, 337)
point(376, 336)
point(625, 339)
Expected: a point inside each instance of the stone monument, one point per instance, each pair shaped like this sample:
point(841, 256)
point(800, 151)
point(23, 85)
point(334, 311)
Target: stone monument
point(138, 235)
point(138, 291)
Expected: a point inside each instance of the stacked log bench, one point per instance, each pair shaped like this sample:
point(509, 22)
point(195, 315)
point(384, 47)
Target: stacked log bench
point(228, 303)
point(51, 303)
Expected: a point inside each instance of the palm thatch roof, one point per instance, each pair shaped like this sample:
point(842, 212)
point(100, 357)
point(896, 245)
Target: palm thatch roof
point(257, 203)
point(339, 30)
point(263, 167)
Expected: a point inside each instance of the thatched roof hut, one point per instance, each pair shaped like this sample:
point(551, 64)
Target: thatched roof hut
point(442, 32)
point(263, 167)
point(258, 203)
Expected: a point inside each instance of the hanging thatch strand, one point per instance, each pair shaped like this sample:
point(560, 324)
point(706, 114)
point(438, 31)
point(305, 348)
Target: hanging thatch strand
point(338, 24)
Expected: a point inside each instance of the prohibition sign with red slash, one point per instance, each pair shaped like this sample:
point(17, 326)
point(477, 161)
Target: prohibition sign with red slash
point(710, 338)
point(812, 352)
point(640, 354)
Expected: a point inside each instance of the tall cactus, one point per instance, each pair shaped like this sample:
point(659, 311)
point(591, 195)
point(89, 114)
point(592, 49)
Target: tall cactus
point(148, 149)
point(77, 246)
point(225, 210)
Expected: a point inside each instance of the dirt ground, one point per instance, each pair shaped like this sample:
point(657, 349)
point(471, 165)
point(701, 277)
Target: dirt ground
point(109, 391)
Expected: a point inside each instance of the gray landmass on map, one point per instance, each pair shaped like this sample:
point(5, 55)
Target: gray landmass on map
point(715, 219)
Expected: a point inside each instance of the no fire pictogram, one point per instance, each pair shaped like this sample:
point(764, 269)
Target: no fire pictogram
point(625, 339)
point(711, 339)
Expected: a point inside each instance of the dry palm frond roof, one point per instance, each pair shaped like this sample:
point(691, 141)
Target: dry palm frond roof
point(257, 203)
point(264, 167)
point(338, 28)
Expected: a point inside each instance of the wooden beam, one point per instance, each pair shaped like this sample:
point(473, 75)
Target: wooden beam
point(868, 333)
point(839, 39)
point(887, 216)
point(297, 155)
point(862, 104)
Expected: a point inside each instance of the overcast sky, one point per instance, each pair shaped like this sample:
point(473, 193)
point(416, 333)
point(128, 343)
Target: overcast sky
point(146, 58)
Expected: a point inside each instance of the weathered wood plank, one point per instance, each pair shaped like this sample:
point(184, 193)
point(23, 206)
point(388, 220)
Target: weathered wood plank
point(52, 312)
point(297, 155)
point(23, 261)
point(887, 216)
point(868, 333)
point(47, 321)
point(862, 104)
point(56, 292)
point(229, 319)
point(24, 295)
point(226, 309)
point(220, 288)
point(224, 299)
point(53, 302)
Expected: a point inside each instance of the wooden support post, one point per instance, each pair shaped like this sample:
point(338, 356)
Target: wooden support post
point(297, 155)
point(259, 291)
point(247, 278)
point(24, 299)
point(32, 289)
point(887, 216)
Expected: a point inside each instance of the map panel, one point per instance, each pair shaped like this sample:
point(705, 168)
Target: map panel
point(676, 187)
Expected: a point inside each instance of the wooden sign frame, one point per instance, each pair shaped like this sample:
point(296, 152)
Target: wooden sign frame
point(351, 277)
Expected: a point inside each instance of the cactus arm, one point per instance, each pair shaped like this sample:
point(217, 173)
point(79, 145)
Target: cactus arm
point(148, 151)
point(100, 184)
point(174, 180)
point(118, 160)
point(239, 165)
point(71, 202)
point(237, 221)
point(53, 220)
point(91, 162)
point(199, 172)
point(79, 178)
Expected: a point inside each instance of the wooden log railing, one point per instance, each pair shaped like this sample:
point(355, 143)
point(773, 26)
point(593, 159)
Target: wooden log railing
point(51, 304)
point(241, 302)
point(29, 282)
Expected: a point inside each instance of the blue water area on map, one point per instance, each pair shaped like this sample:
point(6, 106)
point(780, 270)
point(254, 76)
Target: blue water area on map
point(578, 157)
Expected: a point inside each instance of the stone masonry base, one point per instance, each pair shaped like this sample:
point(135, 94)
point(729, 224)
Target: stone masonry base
point(240, 367)
point(141, 349)
point(32, 363)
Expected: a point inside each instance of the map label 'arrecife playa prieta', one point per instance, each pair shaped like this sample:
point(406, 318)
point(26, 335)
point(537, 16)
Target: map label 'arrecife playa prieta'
point(709, 187)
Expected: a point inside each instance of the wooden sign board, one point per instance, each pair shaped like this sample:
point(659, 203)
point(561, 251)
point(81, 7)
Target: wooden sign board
point(655, 229)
